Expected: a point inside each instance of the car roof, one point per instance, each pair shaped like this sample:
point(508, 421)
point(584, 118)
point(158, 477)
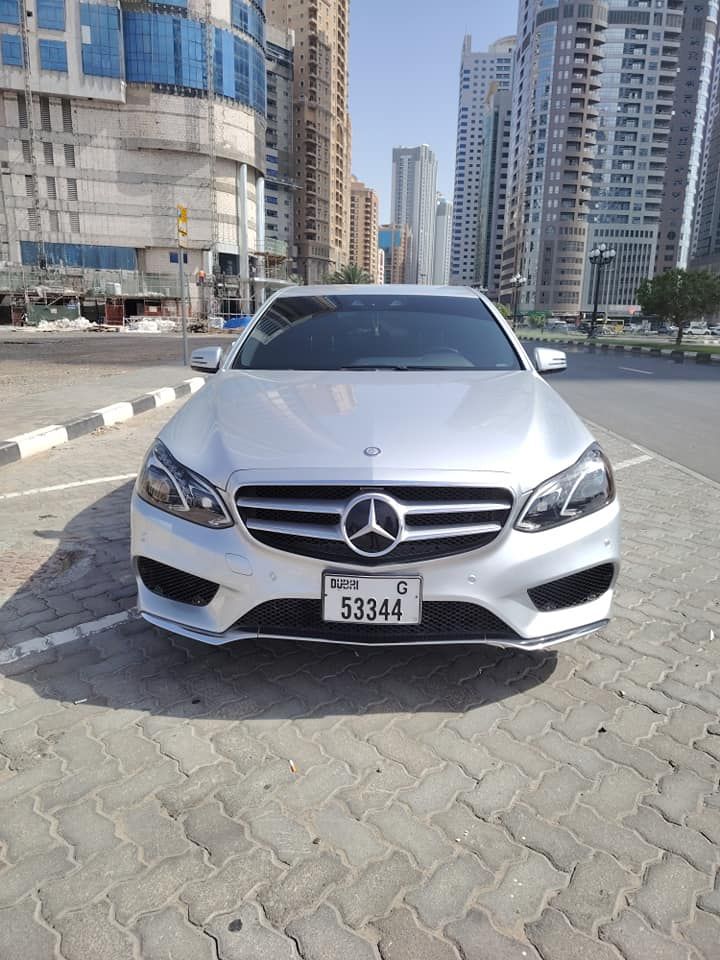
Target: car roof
point(392, 289)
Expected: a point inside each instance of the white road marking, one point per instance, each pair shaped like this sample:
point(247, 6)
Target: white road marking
point(632, 462)
point(648, 373)
point(67, 486)
point(57, 639)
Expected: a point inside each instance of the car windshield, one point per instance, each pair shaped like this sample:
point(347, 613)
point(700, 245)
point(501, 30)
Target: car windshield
point(377, 332)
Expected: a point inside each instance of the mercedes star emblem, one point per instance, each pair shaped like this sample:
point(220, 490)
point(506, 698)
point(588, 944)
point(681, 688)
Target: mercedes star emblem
point(372, 525)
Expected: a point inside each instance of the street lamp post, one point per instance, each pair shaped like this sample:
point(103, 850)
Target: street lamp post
point(516, 282)
point(600, 257)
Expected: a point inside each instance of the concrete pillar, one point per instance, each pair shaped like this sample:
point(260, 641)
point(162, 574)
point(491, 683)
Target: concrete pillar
point(242, 230)
point(260, 236)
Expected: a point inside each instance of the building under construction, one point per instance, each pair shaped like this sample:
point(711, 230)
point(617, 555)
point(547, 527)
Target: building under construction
point(114, 116)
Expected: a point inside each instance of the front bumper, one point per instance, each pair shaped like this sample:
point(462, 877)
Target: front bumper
point(496, 577)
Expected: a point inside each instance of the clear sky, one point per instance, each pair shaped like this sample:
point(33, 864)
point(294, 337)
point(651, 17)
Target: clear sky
point(404, 62)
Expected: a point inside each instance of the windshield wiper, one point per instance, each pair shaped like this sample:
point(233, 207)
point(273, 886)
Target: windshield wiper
point(374, 366)
point(405, 366)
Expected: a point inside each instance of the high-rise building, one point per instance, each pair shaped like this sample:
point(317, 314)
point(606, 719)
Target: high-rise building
point(394, 243)
point(706, 231)
point(364, 228)
point(653, 103)
point(112, 116)
point(322, 130)
point(492, 196)
point(556, 84)
point(441, 243)
point(279, 145)
point(693, 85)
point(380, 265)
point(414, 179)
point(479, 71)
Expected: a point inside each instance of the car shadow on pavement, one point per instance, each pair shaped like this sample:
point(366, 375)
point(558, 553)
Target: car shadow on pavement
point(133, 665)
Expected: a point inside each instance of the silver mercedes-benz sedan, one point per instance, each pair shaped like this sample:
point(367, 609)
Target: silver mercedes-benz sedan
point(376, 465)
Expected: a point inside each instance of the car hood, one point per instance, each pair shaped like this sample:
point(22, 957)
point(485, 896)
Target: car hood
point(480, 421)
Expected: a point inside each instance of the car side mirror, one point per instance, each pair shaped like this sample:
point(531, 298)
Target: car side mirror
point(206, 360)
point(550, 361)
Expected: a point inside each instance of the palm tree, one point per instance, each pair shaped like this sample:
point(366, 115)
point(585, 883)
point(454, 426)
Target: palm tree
point(349, 274)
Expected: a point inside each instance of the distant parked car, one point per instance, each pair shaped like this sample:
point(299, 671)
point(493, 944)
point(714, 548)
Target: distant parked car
point(666, 330)
point(557, 326)
point(699, 330)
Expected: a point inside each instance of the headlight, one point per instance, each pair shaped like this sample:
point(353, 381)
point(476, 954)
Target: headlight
point(585, 487)
point(168, 485)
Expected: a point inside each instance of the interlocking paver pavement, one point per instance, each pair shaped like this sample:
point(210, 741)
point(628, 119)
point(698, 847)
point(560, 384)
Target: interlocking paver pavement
point(458, 804)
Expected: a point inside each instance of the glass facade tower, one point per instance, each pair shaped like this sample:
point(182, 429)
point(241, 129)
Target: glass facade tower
point(137, 108)
point(480, 71)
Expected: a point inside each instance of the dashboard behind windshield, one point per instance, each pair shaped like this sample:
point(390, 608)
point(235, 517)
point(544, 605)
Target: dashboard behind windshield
point(375, 332)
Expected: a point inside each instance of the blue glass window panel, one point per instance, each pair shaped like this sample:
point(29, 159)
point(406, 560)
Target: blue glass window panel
point(246, 17)
point(218, 72)
point(9, 11)
point(240, 15)
point(192, 54)
point(163, 49)
point(242, 69)
point(224, 63)
point(149, 52)
point(100, 26)
point(11, 46)
point(53, 55)
point(51, 14)
point(169, 50)
point(258, 80)
point(81, 255)
point(171, 3)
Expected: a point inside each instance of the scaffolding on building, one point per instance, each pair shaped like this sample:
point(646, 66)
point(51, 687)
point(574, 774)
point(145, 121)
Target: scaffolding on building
point(123, 298)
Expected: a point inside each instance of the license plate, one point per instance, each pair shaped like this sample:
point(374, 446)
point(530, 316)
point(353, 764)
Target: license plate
point(371, 600)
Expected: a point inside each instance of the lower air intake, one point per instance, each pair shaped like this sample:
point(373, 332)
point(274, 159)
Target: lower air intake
point(175, 584)
point(573, 590)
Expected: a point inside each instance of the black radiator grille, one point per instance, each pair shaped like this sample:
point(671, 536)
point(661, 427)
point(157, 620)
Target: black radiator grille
point(442, 622)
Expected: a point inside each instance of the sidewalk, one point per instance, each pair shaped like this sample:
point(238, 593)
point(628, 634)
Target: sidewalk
point(60, 404)
point(40, 421)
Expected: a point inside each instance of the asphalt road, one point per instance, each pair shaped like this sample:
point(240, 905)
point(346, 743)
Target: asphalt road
point(670, 408)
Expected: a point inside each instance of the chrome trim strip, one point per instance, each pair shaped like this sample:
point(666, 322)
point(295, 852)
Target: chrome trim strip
point(439, 533)
point(337, 506)
point(316, 531)
point(216, 639)
point(293, 506)
point(486, 507)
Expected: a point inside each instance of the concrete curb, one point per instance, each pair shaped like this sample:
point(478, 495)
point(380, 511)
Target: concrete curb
point(38, 441)
point(679, 356)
